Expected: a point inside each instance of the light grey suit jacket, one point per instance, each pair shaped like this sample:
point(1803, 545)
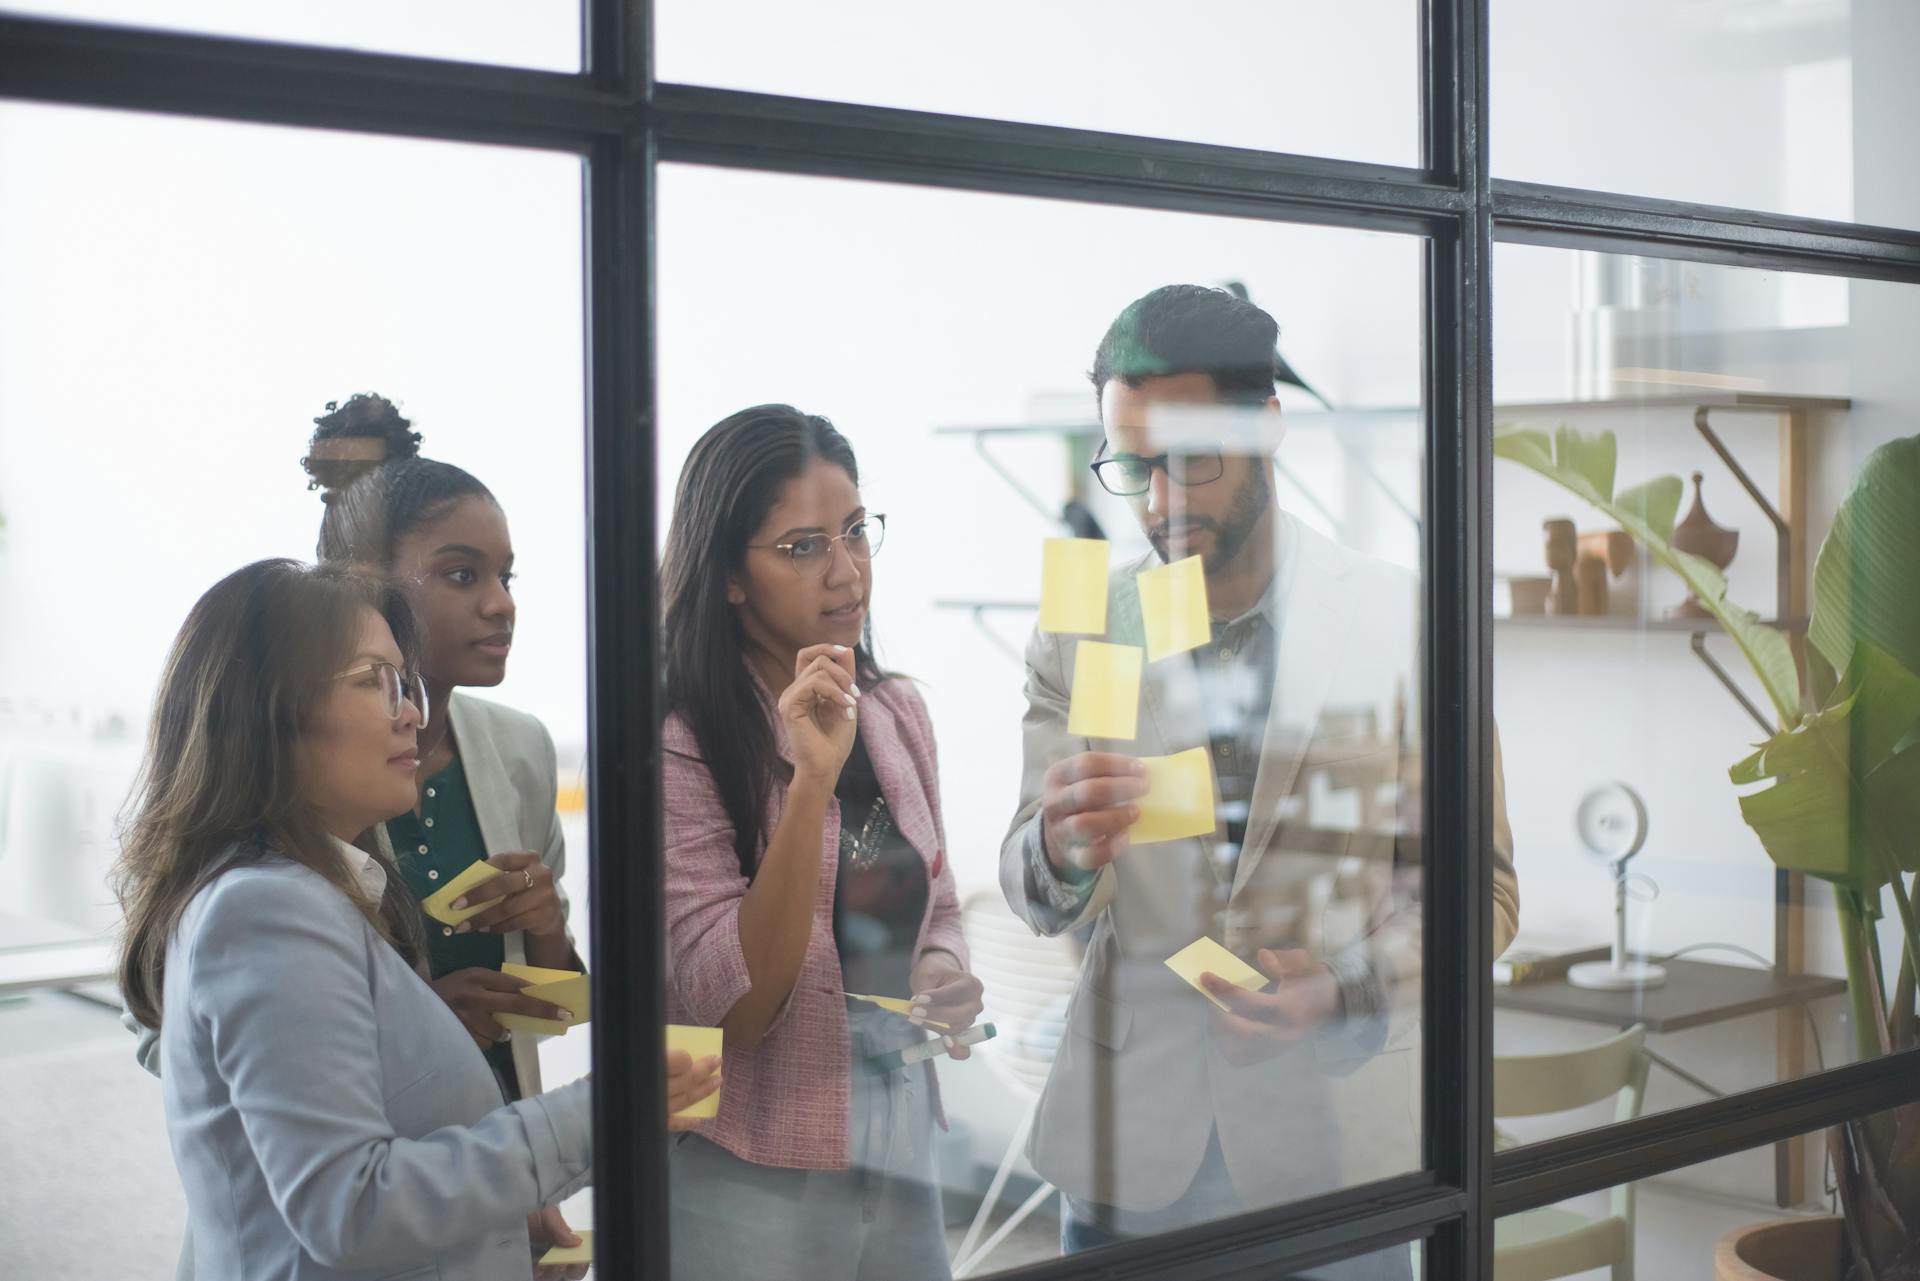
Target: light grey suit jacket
point(512, 776)
point(1139, 1084)
point(513, 779)
point(329, 1115)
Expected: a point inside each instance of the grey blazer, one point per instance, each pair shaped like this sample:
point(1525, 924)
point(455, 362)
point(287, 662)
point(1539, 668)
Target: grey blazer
point(513, 779)
point(329, 1115)
point(1138, 1084)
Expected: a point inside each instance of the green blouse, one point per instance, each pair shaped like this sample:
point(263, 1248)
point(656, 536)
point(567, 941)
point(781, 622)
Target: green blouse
point(431, 848)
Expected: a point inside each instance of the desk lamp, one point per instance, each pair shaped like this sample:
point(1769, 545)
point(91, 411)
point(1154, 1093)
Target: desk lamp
point(1612, 823)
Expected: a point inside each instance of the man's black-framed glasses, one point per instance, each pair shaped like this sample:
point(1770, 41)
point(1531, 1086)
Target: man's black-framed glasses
point(1129, 475)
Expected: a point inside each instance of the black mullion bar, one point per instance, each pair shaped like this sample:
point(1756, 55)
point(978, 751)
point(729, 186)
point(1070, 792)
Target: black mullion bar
point(1529, 213)
point(725, 127)
point(1269, 1243)
point(619, 46)
point(630, 1184)
point(265, 83)
point(631, 1187)
point(1457, 699)
point(1542, 1173)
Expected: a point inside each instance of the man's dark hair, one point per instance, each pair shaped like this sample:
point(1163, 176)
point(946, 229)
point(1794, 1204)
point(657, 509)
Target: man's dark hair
point(1190, 329)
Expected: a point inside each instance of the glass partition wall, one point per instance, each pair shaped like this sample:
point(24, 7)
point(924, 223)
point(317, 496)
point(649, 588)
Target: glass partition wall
point(1431, 762)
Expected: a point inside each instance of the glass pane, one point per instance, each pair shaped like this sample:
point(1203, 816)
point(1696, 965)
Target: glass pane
point(1718, 1218)
point(541, 34)
point(1791, 106)
point(948, 338)
point(1624, 703)
point(1279, 75)
point(173, 325)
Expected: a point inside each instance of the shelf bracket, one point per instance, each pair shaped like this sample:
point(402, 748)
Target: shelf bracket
point(1049, 514)
point(1720, 674)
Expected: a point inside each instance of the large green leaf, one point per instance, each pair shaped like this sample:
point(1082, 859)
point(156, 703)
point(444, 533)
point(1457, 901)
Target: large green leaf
point(1866, 583)
point(1584, 465)
point(1845, 800)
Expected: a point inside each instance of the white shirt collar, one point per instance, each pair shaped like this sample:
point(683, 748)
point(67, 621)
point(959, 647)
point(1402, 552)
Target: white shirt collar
point(364, 868)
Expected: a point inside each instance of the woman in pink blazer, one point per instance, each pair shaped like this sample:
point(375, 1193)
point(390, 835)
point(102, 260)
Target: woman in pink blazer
point(805, 861)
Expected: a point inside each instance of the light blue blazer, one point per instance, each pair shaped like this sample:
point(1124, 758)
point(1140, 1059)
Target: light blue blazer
point(329, 1115)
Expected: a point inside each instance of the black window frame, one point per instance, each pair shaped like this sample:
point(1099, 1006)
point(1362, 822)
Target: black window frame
point(622, 125)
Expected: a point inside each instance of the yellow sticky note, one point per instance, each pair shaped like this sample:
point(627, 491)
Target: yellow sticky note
point(701, 1043)
point(439, 904)
point(1073, 586)
point(582, 1253)
point(897, 1004)
point(1179, 799)
point(1173, 608)
point(1106, 691)
point(568, 989)
point(1204, 956)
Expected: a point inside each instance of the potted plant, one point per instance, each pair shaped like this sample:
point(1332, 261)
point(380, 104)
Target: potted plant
point(1840, 801)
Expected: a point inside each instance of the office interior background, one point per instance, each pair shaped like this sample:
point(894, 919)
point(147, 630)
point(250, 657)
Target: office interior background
point(180, 294)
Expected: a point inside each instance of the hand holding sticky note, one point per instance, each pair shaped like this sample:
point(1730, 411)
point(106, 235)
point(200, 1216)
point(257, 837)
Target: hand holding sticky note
point(567, 989)
point(439, 904)
point(570, 1254)
point(1204, 956)
point(1179, 798)
point(1173, 608)
point(1073, 586)
point(700, 1043)
point(1106, 691)
point(896, 1005)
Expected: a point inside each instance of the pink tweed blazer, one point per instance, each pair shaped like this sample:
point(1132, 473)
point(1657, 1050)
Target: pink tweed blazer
point(785, 1102)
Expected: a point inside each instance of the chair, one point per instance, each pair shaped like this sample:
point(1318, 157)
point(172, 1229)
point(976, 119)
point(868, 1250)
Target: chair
point(1028, 981)
point(1551, 1242)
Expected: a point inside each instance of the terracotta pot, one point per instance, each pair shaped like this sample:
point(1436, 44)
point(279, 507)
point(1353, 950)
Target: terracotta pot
point(1810, 1249)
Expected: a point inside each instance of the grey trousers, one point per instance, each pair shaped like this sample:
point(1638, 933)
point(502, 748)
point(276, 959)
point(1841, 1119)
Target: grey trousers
point(878, 1220)
point(1088, 1226)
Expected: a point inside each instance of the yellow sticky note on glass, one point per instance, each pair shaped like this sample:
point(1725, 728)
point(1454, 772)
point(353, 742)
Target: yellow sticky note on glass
point(1179, 799)
point(1106, 691)
point(1173, 608)
point(567, 989)
point(1204, 956)
point(701, 1043)
point(439, 904)
point(1073, 586)
point(582, 1253)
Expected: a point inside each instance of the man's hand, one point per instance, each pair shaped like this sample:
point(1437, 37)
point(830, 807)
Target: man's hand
point(1258, 1025)
point(1087, 806)
point(945, 993)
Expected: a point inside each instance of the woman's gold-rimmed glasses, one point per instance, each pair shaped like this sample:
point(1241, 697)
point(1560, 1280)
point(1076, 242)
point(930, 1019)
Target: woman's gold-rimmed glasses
point(811, 555)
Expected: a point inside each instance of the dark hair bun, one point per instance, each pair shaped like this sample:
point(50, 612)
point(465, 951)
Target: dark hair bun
point(352, 439)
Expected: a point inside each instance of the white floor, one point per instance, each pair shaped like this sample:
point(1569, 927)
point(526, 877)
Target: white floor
point(87, 1190)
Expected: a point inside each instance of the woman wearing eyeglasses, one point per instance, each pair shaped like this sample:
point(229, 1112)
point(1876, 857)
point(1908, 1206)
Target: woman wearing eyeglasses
point(327, 1111)
point(805, 862)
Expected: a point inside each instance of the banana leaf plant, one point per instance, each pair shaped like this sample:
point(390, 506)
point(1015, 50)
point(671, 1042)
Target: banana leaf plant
point(1837, 787)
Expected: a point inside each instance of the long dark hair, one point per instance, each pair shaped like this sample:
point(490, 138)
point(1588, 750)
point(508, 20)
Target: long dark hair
point(365, 458)
point(730, 482)
point(220, 783)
